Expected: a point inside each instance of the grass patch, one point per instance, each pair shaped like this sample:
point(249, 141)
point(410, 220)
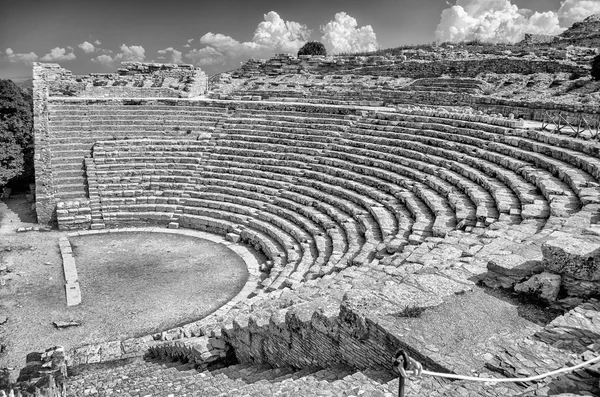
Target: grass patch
point(410, 311)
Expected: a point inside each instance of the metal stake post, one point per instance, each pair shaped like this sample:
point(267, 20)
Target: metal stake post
point(401, 359)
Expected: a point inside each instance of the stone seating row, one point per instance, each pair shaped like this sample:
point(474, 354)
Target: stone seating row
point(360, 216)
point(223, 159)
point(342, 240)
point(271, 172)
point(189, 205)
point(107, 189)
point(249, 154)
point(341, 229)
point(422, 167)
point(290, 119)
point(539, 170)
point(539, 153)
point(298, 257)
point(280, 149)
point(63, 108)
point(259, 132)
point(67, 162)
point(241, 148)
point(421, 142)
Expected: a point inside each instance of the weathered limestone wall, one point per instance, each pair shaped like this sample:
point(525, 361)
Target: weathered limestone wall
point(43, 76)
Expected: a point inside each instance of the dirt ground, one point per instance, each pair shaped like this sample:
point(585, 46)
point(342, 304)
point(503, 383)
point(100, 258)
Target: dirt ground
point(131, 284)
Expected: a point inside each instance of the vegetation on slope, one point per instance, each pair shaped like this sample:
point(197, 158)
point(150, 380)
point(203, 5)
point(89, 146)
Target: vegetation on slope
point(16, 132)
point(312, 48)
point(596, 68)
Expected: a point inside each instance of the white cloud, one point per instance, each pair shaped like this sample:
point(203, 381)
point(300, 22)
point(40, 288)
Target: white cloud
point(501, 21)
point(104, 59)
point(572, 11)
point(87, 47)
point(342, 35)
point(190, 40)
point(132, 53)
point(271, 36)
point(275, 33)
point(175, 55)
point(97, 42)
point(58, 54)
point(206, 56)
point(25, 58)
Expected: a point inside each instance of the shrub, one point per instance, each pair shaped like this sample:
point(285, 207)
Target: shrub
point(312, 48)
point(596, 68)
point(410, 311)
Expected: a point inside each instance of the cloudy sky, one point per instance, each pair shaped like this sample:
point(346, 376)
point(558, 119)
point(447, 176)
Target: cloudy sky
point(88, 37)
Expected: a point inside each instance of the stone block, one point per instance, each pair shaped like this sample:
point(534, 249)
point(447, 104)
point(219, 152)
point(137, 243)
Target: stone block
point(574, 256)
point(233, 237)
point(73, 294)
point(544, 285)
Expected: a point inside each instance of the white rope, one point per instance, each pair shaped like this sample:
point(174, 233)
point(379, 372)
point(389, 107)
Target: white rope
point(418, 371)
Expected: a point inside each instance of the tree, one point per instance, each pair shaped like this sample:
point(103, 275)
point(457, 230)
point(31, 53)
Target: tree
point(312, 48)
point(596, 68)
point(16, 127)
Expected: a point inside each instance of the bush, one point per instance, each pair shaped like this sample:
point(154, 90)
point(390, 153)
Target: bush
point(16, 127)
point(596, 68)
point(312, 48)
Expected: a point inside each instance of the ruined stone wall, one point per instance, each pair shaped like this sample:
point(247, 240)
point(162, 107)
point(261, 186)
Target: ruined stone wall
point(418, 66)
point(536, 111)
point(135, 80)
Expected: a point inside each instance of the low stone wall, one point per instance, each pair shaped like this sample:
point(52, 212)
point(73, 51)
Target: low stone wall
point(73, 215)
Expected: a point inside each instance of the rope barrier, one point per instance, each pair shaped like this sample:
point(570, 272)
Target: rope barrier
point(407, 366)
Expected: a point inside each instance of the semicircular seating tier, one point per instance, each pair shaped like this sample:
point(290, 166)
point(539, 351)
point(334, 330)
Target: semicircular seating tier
point(321, 188)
